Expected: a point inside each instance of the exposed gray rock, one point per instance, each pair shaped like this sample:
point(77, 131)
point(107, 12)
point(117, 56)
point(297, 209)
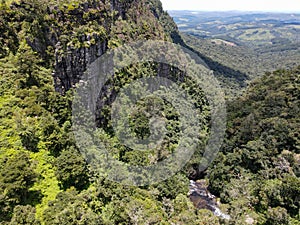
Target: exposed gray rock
point(71, 65)
point(203, 199)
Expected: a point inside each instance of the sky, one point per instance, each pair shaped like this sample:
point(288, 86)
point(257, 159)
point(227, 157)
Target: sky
point(227, 5)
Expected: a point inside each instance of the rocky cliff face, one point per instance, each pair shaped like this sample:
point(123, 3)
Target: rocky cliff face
point(71, 64)
point(70, 36)
point(76, 34)
point(69, 67)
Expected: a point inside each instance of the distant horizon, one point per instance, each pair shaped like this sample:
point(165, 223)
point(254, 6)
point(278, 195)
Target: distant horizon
point(279, 6)
point(247, 11)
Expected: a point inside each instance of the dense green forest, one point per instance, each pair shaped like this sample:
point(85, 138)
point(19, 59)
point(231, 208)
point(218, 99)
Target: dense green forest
point(245, 63)
point(257, 171)
point(45, 47)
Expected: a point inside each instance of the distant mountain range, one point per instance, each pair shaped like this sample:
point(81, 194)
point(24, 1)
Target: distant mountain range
point(242, 28)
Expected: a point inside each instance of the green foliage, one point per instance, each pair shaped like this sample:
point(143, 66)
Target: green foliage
point(183, 212)
point(24, 215)
point(236, 66)
point(71, 208)
point(140, 24)
point(290, 191)
point(135, 209)
point(47, 183)
point(44, 180)
point(71, 169)
point(35, 121)
point(173, 187)
point(277, 216)
point(16, 178)
point(256, 168)
point(8, 37)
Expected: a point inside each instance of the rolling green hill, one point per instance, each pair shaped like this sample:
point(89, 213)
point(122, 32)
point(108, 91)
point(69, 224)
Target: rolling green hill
point(248, 43)
point(244, 28)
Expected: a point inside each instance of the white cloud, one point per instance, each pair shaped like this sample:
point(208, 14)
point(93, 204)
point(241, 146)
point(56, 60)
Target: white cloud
point(223, 5)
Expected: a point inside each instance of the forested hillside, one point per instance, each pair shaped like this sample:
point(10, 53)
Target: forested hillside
point(242, 45)
point(246, 63)
point(45, 48)
point(257, 170)
point(278, 30)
